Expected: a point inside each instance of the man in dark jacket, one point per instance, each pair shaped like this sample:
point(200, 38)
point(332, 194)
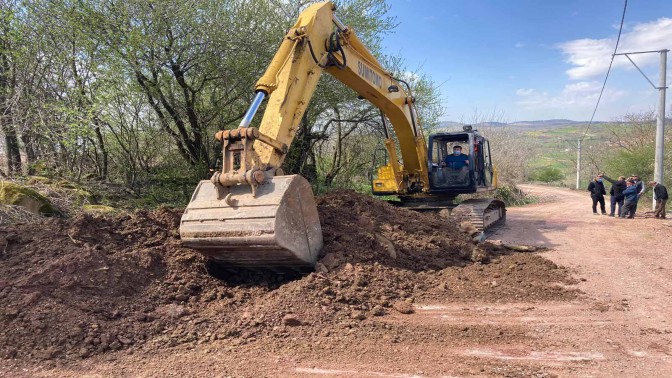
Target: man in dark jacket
point(616, 193)
point(597, 192)
point(631, 197)
point(660, 195)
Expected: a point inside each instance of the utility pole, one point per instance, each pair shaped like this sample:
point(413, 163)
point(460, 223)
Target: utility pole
point(660, 124)
point(658, 174)
point(578, 167)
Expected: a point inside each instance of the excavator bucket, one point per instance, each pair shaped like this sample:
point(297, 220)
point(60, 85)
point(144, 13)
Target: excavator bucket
point(279, 228)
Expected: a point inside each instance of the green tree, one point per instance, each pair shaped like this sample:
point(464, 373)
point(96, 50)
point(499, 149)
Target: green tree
point(548, 175)
point(190, 60)
point(626, 163)
point(631, 146)
point(134, 91)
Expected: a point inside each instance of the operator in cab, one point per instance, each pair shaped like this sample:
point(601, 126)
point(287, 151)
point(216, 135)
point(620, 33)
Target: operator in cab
point(458, 162)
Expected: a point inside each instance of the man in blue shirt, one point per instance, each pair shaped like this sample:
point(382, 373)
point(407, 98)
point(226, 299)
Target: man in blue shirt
point(458, 162)
point(631, 197)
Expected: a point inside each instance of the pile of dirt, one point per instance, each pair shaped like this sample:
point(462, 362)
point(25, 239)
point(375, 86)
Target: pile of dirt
point(360, 229)
point(72, 288)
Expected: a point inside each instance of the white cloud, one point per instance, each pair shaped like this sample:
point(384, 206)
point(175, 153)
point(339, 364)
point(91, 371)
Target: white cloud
point(590, 57)
point(525, 91)
point(519, 45)
point(581, 94)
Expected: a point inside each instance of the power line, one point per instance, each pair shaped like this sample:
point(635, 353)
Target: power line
point(571, 142)
point(604, 84)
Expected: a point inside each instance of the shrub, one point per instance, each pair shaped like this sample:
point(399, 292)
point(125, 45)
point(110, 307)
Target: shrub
point(548, 174)
point(511, 195)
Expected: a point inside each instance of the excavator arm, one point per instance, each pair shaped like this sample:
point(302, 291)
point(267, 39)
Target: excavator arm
point(319, 42)
point(250, 214)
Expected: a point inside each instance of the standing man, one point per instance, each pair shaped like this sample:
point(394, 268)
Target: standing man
point(641, 188)
point(616, 194)
point(660, 195)
point(597, 192)
point(630, 202)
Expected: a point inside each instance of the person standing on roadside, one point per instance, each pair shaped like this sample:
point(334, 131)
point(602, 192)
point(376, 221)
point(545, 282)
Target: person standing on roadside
point(660, 195)
point(616, 193)
point(640, 190)
point(597, 192)
point(630, 194)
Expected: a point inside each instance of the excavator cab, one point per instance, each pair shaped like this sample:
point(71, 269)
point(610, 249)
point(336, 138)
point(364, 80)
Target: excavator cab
point(470, 172)
point(474, 173)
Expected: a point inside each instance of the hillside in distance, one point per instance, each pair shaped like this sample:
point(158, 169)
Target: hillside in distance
point(527, 125)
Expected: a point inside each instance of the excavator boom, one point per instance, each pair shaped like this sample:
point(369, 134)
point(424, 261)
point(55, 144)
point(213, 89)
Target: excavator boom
point(250, 214)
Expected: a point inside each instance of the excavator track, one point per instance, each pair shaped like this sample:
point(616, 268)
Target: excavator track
point(484, 213)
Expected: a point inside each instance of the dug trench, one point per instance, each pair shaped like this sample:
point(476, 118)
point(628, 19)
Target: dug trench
point(93, 285)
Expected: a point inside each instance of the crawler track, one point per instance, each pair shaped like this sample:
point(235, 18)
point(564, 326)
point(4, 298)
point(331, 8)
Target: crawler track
point(483, 213)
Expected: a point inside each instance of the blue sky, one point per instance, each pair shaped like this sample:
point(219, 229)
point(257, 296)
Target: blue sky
point(534, 59)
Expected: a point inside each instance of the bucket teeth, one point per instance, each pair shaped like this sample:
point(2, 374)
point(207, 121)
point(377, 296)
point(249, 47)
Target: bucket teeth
point(277, 228)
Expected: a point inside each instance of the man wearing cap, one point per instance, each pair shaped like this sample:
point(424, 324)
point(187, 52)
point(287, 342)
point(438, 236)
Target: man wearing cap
point(660, 195)
point(630, 194)
point(616, 193)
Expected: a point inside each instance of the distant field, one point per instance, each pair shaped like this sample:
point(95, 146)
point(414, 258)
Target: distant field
point(556, 146)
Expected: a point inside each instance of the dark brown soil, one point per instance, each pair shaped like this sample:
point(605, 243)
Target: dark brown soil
point(78, 287)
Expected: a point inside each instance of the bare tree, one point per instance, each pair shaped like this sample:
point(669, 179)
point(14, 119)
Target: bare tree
point(8, 85)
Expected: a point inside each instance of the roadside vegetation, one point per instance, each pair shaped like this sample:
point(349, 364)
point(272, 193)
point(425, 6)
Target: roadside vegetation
point(625, 146)
point(124, 98)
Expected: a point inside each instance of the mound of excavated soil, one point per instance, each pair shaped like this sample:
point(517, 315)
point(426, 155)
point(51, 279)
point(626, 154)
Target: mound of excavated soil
point(77, 287)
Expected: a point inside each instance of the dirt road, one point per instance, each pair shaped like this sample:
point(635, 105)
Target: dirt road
point(620, 325)
point(623, 326)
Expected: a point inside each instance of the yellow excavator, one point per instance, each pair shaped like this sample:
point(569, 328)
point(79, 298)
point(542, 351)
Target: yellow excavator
point(251, 215)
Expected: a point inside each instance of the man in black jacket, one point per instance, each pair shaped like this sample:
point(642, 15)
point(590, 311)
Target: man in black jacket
point(660, 195)
point(597, 192)
point(616, 193)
